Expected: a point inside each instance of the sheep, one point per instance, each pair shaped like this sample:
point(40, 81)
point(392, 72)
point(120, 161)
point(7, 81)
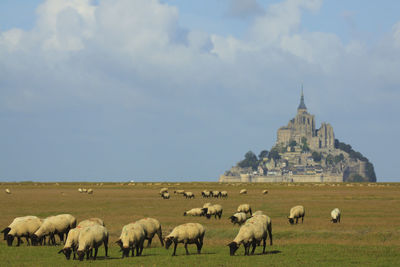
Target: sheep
point(90, 191)
point(59, 224)
point(22, 227)
point(152, 227)
point(265, 192)
point(92, 237)
point(258, 212)
point(188, 233)
point(163, 190)
point(238, 218)
point(335, 215)
point(243, 191)
point(215, 210)
point(132, 236)
point(206, 194)
point(224, 194)
point(7, 191)
point(244, 208)
point(71, 244)
point(196, 212)
point(188, 195)
point(179, 192)
point(296, 213)
point(80, 190)
point(84, 190)
point(215, 193)
point(165, 195)
point(255, 230)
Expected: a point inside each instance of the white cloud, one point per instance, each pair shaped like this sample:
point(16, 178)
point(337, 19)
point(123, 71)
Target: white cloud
point(244, 8)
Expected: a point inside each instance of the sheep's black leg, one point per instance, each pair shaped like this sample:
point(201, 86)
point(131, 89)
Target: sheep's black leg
point(159, 234)
point(96, 249)
point(175, 245)
point(254, 244)
point(27, 240)
point(302, 219)
point(149, 242)
point(198, 247)
point(297, 219)
point(264, 243)
point(187, 251)
point(87, 254)
point(19, 241)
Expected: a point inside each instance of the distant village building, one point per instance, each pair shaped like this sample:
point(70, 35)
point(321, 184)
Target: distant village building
point(306, 154)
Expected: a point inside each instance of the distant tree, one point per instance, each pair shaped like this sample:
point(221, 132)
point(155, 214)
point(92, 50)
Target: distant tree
point(316, 156)
point(250, 160)
point(329, 159)
point(356, 178)
point(338, 158)
point(304, 145)
point(292, 143)
point(274, 154)
point(263, 154)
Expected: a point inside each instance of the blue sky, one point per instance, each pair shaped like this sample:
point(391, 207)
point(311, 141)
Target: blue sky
point(180, 90)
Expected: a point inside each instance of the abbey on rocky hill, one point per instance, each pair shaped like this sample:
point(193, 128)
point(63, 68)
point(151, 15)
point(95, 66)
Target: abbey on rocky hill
point(303, 153)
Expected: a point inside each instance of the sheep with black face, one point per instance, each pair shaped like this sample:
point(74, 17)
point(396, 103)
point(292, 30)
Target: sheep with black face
point(335, 215)
point(59, 224)
point(296, 213)
point(151, 227)
point(132, 236)
point(22, 227)
point(188, 233)
point(92, 237)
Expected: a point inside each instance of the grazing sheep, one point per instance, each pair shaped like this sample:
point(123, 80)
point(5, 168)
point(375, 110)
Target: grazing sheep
point(179, 192)
point(8, 191)
point(296, 213)
point(215, 194)
point(265, 192)
point(188, 233)
point(163, 190)
point(152, 227)
point(21, 227)
point(132, 236)
point(90, 238)
point(243, 191)
point(335, 215)
point(224, 194)
point(206, 194)
point(59, 224)
point(165, 195)
point(71, 244)
point(215, 210)
point(244, 208)
point(238, 218)
point(255, 230)
point(90, 191)
point(196, 212)
point(84, 190)
point(80, 190)
point(188, 195)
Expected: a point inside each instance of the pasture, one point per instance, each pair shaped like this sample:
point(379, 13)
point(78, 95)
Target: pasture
point(369, 233)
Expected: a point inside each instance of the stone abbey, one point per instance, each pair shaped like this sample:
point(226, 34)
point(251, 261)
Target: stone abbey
point(303, 153)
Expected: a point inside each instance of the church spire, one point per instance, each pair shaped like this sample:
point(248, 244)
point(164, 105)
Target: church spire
point(302, 105)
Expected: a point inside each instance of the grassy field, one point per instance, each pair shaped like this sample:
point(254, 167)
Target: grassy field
point(368, 235)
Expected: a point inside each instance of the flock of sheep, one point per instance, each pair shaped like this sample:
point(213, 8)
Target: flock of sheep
point(81, 239)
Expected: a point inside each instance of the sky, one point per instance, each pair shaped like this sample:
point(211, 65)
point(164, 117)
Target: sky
point(178, 90)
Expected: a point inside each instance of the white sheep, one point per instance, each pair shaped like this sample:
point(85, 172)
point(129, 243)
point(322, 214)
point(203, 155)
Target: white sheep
point(8, 191)
point(179, 192)
point(71, 244)
point(206, 194)
point(238, 218)
point(215, 193)
point(255, 230)
point(80, 190)
point(265, 192)
point(152, 227)
point(335, 215)
point(215, 210)
point(90, 191)
point(21, 227)
point(188, 233)
point(296, 213)
point(132, 236)
point(188, 195)
point(224, 194)
point(59, 224)
point(196, 212)
point(206, 205)
point(163, 190)
point(165, 195)
point(258, 212)
point(90, 238)
point(244, 208)
point(243, 191)
point(84, 190)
